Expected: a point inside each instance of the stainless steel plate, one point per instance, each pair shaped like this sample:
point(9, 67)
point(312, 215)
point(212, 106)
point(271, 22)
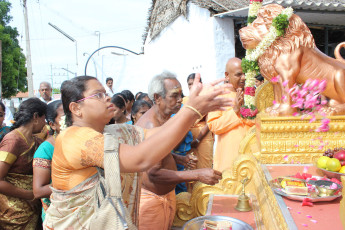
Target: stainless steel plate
point(278, 189)
point(196, 223)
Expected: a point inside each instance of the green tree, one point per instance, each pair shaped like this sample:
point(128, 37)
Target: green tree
point(13, 77)
point(56, 91)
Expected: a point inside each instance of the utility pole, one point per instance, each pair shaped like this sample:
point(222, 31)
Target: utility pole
point(51, 78)
point(28, 52)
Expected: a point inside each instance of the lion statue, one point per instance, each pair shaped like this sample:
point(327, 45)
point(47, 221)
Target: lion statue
point(295, 58)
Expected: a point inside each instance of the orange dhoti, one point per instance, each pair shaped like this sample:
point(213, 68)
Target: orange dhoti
point(156, 212)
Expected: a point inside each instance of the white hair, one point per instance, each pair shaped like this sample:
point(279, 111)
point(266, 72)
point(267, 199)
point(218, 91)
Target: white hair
point(46, 83)
point(157, 86)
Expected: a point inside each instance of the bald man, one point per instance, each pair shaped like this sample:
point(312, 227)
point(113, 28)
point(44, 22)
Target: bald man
point(228, 124)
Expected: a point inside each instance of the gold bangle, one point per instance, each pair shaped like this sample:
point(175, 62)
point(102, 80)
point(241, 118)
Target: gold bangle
point(195, 110)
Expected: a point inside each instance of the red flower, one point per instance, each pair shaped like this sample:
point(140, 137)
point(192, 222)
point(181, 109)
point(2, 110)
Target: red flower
point(248, 113)
point(249, 91)
point(335, 180)
point(307, 202)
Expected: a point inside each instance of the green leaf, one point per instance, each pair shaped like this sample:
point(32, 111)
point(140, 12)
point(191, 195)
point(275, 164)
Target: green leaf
point(281, 22)
point(13, 60)
point(251, 19)
point(248, 66)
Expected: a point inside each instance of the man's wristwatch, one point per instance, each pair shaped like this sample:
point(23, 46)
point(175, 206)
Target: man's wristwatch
point(197, 140)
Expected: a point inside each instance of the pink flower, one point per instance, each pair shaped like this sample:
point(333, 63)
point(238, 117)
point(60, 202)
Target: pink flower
point(313, 85)
point(299, 103)
point(249, 91)
point(322, 85)
point(292, 91)
point(325, 121)
point(305, 169)
point(275, 79)
point(285, 83)
point(333, 186)
point(310, 101)
point(253, 112)
point(307, 83)
point(284, 98)
point(302, 93)
point(324, 127)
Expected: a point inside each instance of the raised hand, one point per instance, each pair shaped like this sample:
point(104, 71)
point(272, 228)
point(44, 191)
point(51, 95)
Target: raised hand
point(205, 97)
point(238, 100)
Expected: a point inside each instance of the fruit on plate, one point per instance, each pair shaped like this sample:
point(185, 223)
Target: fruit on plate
point(342, 170)
point(340, 155)
point(322, 162)
point(333, 164)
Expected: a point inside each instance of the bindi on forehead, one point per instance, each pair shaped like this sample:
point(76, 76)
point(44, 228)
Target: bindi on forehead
point(176, 89)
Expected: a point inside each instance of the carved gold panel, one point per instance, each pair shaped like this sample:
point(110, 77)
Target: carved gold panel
point(292, 136)
point(191, 205)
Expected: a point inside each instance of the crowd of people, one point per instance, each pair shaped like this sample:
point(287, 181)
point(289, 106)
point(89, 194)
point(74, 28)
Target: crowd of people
point(52, 157)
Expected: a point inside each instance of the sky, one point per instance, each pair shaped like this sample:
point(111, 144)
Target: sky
point(92, 24)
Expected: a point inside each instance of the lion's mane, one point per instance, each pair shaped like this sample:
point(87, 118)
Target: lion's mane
point(296, 35)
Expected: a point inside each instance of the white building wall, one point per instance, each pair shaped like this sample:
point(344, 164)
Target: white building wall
point(198, 44)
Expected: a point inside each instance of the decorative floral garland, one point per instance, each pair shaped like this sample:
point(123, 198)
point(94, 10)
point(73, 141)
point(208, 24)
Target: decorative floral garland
point(249, 64)
point(62, 123)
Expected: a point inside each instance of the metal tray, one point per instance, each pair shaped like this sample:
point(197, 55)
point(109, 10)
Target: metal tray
point(196, 223)
point(278, 189)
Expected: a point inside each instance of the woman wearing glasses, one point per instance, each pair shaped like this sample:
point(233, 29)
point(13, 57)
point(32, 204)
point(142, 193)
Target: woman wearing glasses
point(79, 148)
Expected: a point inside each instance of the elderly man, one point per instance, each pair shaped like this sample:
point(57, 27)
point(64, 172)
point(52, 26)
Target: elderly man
point(228, 124)
point(46, 92)
point(157, 201)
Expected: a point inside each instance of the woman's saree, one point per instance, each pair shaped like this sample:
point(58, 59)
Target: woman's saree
point(16, 213)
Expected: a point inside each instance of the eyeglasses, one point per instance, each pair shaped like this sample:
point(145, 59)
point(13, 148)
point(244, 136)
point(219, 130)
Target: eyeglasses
point(100, 96)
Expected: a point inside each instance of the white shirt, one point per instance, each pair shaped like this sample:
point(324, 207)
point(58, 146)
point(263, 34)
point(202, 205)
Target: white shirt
point(109, 91)
point(8, 116)
point(42, 99)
